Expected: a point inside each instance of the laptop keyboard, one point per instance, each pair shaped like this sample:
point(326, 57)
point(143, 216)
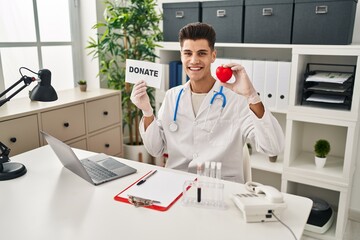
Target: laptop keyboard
point(96, 171)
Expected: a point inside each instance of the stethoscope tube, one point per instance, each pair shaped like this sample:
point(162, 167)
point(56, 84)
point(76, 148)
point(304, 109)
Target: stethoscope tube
point(173, 126)
point(221, 94)
point(177, 104)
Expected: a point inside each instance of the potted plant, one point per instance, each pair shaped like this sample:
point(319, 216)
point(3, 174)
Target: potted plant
point(130, 30)
point(83, 85)
point(321, 149)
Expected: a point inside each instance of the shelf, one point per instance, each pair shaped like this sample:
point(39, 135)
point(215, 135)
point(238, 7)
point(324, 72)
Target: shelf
point(304, 165)
point(261, 162)
point(348, 50)
point(281, 52)
point(280, 111)
point(334, 114)
point(343, 50)
point(333, 197)
point(176, 46)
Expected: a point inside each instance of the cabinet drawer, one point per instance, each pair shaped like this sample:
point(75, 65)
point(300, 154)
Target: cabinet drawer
point(20, 134)
point(103, 113)
point(108, 142)
point(65, 123)
point(81, 144)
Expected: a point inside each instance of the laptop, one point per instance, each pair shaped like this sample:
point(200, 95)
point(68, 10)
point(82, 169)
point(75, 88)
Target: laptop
point(97, 169)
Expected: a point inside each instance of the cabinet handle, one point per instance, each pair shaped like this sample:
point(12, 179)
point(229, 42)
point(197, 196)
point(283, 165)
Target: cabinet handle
point(282, 96)
point(267, 12)
point(13, 139)
point(321, 9)
point(66, 124)
point(220, 13)
point(106, 113)
point(179, 14)
point(269, 95)
point(107, 145)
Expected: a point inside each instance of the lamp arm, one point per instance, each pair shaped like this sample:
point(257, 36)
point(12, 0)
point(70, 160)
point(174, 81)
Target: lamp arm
point(27, 80)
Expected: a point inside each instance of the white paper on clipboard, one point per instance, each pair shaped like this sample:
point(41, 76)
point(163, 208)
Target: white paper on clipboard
point(163, 186)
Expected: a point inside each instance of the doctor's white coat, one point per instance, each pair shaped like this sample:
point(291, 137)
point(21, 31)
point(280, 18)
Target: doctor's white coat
point(194, 142)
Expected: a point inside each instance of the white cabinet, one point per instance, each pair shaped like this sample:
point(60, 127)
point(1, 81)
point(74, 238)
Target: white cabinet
point(306, 124)
point(66, 123)
point(104, 112)
point(295, 171)
point(89, 120)
point(20, 134)
point(108, 142)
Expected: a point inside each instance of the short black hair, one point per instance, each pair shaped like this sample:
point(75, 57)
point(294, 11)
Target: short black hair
point(196, 31)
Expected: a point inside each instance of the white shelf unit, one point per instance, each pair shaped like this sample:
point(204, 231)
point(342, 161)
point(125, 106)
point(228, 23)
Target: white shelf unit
point(295, 171)
point(306, 124)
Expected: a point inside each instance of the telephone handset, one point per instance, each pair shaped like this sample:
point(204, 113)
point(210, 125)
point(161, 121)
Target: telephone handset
point(271, 193)
point(259, 202)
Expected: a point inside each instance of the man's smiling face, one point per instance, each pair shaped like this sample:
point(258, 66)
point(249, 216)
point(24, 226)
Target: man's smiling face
point(197, 56)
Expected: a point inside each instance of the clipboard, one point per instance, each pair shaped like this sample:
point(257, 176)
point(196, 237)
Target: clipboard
point(161, 190)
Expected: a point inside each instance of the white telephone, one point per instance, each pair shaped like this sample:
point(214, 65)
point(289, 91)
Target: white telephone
point(259, 203)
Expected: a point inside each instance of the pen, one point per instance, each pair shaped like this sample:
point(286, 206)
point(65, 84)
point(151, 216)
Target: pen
point(145, 178)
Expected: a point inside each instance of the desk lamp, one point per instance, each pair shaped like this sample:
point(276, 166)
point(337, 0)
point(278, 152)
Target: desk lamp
point(43, 92)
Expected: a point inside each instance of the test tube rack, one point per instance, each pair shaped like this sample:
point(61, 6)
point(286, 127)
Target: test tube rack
point(199, 193)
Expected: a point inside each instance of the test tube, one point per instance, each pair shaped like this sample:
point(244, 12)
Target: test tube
point(207, 172)
point(219, 195)
point(218, 170)
point(198, 183)
point(212, 169)
point(199, 169)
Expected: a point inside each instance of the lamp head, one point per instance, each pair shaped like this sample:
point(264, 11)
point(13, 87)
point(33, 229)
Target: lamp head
point(43, 91)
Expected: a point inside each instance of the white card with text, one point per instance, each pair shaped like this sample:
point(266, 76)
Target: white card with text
point(150, 72)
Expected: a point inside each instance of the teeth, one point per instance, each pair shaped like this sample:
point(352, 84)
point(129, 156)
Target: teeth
point(195, 69)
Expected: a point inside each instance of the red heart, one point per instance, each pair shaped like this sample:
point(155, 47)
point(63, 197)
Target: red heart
point(223, 74)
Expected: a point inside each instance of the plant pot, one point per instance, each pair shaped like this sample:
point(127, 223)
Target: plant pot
point(137, 153)
point(83, 88)
point(320, 162)
point(272, 158)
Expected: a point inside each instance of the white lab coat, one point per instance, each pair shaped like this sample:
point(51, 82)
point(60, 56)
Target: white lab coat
point(191, 144)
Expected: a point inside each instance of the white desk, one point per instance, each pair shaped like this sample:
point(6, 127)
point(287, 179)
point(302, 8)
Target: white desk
point(50, 202)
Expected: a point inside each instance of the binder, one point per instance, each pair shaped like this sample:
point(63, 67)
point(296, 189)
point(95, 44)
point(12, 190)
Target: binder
point(259, 77)
point(179, 74)
point(173, 74)
point(284, 75)
point(164, 188)
point(248, 65)
point(271, 77)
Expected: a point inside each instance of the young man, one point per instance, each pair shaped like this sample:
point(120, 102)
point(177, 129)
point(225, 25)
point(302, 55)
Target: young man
point(204, 119)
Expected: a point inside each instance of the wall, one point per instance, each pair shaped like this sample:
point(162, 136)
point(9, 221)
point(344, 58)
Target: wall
point(356, 34)
point(91, 68)
point(88, 17)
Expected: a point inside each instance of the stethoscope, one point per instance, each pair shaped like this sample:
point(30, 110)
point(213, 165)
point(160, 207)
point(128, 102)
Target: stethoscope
point(173, 127)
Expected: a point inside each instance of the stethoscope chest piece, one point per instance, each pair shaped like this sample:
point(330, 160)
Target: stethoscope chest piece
point(173, 127)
